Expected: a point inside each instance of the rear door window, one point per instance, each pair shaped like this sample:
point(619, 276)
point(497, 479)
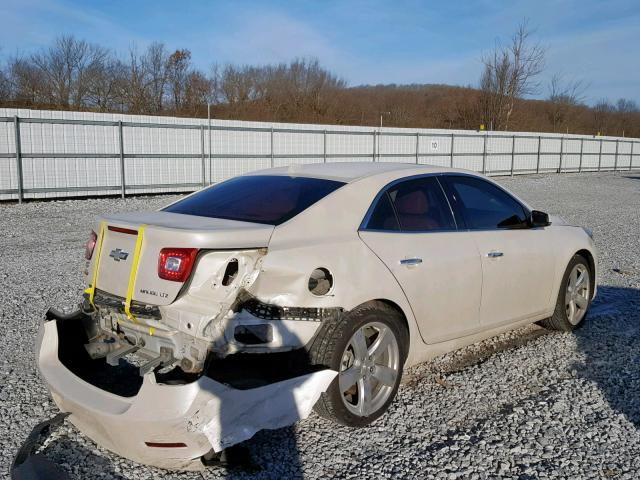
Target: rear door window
point(416, 205)
point(383, 216)
point(268, 199)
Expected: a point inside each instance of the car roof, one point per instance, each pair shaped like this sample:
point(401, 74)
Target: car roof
point(351, 171)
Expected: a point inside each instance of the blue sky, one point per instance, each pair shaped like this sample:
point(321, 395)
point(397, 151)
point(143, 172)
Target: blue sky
point(363, 41)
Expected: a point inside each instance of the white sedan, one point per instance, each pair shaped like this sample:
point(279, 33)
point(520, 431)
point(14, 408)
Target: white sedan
point(246, 304)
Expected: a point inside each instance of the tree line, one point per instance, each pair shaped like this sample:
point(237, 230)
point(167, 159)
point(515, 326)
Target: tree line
point(73, 74)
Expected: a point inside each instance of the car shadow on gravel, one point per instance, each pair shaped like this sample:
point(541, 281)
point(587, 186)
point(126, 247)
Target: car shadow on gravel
point(610, 341)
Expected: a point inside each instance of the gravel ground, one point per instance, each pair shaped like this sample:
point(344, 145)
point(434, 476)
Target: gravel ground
point(527, 404)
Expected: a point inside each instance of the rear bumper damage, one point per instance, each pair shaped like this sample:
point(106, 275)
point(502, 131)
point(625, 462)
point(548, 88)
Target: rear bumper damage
point(166, 424)
point(245, 325)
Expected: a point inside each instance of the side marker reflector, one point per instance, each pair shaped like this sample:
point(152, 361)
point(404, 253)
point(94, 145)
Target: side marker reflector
point(165, 444)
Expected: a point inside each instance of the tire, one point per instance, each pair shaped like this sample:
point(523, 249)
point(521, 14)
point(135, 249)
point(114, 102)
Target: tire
point(338, 345)
point(562, 319)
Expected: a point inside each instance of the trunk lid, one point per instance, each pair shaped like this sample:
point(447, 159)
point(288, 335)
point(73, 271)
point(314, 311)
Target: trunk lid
point(164, 230)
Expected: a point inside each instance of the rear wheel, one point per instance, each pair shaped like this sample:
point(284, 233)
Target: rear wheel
point(574, 297)
point(368, 348)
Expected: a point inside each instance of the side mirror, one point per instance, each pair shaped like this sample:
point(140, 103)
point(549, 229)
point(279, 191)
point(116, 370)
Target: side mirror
point(539, 219)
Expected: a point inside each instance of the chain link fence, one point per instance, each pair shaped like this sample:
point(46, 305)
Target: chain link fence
point(48, 154)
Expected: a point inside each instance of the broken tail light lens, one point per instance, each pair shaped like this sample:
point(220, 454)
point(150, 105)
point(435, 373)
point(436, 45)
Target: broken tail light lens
point(175, 264)
point(90, 245)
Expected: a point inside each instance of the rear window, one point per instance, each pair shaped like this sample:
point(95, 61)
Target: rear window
point(269, 199)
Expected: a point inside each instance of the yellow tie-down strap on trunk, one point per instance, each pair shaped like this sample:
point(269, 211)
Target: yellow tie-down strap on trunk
point(134, 274)
point(92, 288)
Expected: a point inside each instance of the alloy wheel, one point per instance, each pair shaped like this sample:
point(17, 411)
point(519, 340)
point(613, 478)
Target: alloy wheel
point(369, 368)
point(577, 294)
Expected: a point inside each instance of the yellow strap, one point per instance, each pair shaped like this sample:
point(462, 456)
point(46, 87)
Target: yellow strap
point(92, 288)
point(134, 274)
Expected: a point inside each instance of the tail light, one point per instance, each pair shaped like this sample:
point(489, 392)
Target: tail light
point(90, 245)
point(175, 264)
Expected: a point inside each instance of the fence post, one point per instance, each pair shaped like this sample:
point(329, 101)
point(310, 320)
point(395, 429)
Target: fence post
point(631, 156)
point(16, 126)
point(615, 165)
point(580, 164)
point(417, 147)
point(561, 149)
point(121, 142)
point(484, 155)
point(324, 146)
point(271, 142)
point(600, 156)
point(453, 137)
point(374, 145)
point(513, 152)
point(204, 169)
point(538, 159)
point(209, 152)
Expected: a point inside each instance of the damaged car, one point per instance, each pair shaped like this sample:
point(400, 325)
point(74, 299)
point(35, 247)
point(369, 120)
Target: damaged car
point(249, 303)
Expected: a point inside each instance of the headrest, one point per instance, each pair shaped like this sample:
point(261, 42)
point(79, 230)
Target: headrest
point(279, 203)
point(413, 203)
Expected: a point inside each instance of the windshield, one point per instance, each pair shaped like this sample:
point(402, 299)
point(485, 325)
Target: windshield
point(269, 199)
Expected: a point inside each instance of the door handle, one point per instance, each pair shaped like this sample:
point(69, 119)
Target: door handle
point(410, 261)
point(495, 254)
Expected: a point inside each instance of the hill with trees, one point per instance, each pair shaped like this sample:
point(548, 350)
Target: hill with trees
point(73, 74)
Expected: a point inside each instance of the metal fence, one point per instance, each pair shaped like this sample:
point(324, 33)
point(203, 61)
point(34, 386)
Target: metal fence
point(64, 154)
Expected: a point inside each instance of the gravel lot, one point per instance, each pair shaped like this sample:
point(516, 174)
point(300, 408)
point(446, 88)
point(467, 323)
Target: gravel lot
point(527, 404)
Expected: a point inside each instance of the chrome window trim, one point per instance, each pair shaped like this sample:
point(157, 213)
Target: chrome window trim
point(437, 175)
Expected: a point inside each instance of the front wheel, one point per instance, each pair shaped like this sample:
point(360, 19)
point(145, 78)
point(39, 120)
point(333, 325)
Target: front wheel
point(574, 297)
point(368, 348)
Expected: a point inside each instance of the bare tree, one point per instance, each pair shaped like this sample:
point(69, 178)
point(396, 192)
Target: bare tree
point(5, 87)
point(214, 84)
point(302, 85)
point(238, 84)
point(509, 73)
point(155, 64)
point(627, 111)
point(563, 96)
point(106, 83)
point(5, 84)
point(65, 66)
point(624, 105)
point(134, 93)
point(28, 83)
point(197, 92)
point(178, 67)
point(602, 116)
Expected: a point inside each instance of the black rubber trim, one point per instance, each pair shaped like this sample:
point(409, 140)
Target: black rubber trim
point(142, 310)
point(28, 465)
point(266, 311)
